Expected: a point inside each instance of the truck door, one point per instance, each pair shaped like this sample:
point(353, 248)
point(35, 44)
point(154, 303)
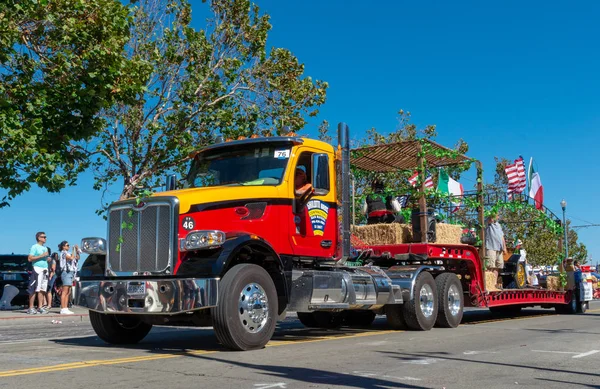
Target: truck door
point(313, 226)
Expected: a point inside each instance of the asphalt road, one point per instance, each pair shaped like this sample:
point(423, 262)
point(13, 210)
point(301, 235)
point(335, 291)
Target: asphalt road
point(538, 349)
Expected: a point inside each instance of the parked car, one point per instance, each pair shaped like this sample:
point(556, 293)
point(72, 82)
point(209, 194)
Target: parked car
point(15, 270)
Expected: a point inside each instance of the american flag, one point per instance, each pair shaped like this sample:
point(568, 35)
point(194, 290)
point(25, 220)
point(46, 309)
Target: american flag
point(403, 200)
point(516, 176)
point(429, 182)
point(413, 179)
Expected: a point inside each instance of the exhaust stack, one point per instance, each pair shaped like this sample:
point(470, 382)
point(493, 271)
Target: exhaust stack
point(344, 147)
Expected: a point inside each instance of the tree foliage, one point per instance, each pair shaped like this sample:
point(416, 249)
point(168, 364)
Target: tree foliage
point(60, 63)
point(199, 83)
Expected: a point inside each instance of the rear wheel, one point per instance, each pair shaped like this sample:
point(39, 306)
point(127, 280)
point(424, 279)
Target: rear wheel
point(450, 300)
point(420, 313)
point(583, 306)
point(568, 309)
point(395, 317)
point(119, 329)
point(246, 313)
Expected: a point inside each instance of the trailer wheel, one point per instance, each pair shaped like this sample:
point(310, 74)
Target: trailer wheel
point(119, 329)
point(246, 312)
point(395, 316)
point(450, 300)
point(568, 309)
point(582, 307)
point(362, 318)
point(308, 319)
point(420, 313)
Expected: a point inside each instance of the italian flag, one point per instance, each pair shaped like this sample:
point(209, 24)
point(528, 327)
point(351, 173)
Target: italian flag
point(451, 187)
point(536, 190)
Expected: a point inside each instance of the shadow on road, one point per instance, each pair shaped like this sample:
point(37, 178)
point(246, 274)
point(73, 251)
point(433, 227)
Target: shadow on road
point(363, 379)
point(412, 356)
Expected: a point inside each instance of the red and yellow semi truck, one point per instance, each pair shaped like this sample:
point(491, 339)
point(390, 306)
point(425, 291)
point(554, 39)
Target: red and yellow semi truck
point(243, 243)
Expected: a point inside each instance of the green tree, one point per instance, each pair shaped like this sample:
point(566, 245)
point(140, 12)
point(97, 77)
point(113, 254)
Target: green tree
point(200, 83)
point(577, 250)
point(61, 63)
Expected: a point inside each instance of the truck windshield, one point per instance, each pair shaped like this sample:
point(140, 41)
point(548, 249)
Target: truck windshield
point(250, 166)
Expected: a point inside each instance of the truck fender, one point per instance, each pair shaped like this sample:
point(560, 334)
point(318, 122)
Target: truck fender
point(405, 276)
point(249, 248)
point(94, 266)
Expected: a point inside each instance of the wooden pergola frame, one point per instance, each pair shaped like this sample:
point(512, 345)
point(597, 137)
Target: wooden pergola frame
point(408, 155)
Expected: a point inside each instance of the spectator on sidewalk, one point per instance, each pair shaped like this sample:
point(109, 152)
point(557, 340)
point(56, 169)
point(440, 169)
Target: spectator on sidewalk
point(38, 282)
point(68, 267)
point(52, 262)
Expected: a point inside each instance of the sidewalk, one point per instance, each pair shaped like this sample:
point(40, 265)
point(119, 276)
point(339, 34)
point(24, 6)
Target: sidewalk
point(17, 314)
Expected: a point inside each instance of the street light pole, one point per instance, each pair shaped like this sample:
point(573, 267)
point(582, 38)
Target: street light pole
point(563, 205)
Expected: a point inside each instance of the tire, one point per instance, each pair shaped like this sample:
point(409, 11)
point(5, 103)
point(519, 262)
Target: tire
point(568, 309)
point(237, 327)
point(506, 310)
point(520, 276)
point(420, 313)
point(450, 300)
point(362, 318)
point(119, 329)
point(307, 319)
point(395, 317)
point(582, 307)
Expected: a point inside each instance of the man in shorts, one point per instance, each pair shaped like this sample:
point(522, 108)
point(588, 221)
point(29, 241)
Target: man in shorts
point(495, 247)
point(38, 282)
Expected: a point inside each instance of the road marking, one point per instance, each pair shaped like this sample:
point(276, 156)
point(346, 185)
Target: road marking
point(479, 352)
point(586, 354)
point(84, 364)
point(577, 354)
point(421, 361)
point(265, 386)
point(554, 352)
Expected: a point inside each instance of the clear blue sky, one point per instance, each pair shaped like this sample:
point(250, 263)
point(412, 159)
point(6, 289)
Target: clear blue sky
point(511, 78)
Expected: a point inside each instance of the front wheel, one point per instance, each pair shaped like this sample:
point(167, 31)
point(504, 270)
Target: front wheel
point(246, 312)
point(119, 329)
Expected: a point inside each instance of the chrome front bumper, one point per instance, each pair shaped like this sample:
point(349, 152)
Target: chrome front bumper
point(147, 296)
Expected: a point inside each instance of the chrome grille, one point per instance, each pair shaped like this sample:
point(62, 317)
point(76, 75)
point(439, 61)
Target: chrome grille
point(140, 240)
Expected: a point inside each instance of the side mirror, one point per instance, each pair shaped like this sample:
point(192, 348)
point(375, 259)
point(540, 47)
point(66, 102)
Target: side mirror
point(320, 174)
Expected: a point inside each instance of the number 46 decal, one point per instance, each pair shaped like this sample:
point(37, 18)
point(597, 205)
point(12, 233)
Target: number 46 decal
point(188, 223)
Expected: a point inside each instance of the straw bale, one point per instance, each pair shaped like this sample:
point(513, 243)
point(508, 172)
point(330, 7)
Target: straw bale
point(491, 281)
point(379, 234)
point(448, 233)
point(552, 283)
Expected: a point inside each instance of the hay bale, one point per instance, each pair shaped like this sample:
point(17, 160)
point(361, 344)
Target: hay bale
point(448, 233)
point(379, 234)
point(491, 280)
point(553, 283)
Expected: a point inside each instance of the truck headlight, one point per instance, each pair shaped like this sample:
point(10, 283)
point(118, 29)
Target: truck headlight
point(202, 239)
point(93, 245)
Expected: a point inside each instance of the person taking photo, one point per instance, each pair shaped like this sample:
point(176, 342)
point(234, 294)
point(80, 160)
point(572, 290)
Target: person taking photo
point(68, 266)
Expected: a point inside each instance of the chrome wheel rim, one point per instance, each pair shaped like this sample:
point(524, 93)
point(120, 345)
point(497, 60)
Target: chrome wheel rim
point(453, 300)
point(426, 300)
point(253, 308)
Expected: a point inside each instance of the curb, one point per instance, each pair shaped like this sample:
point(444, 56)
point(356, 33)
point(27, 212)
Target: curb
point(41, 316)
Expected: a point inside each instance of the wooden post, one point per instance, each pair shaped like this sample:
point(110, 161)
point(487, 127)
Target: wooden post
point(481, 214)
point(422, 201)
